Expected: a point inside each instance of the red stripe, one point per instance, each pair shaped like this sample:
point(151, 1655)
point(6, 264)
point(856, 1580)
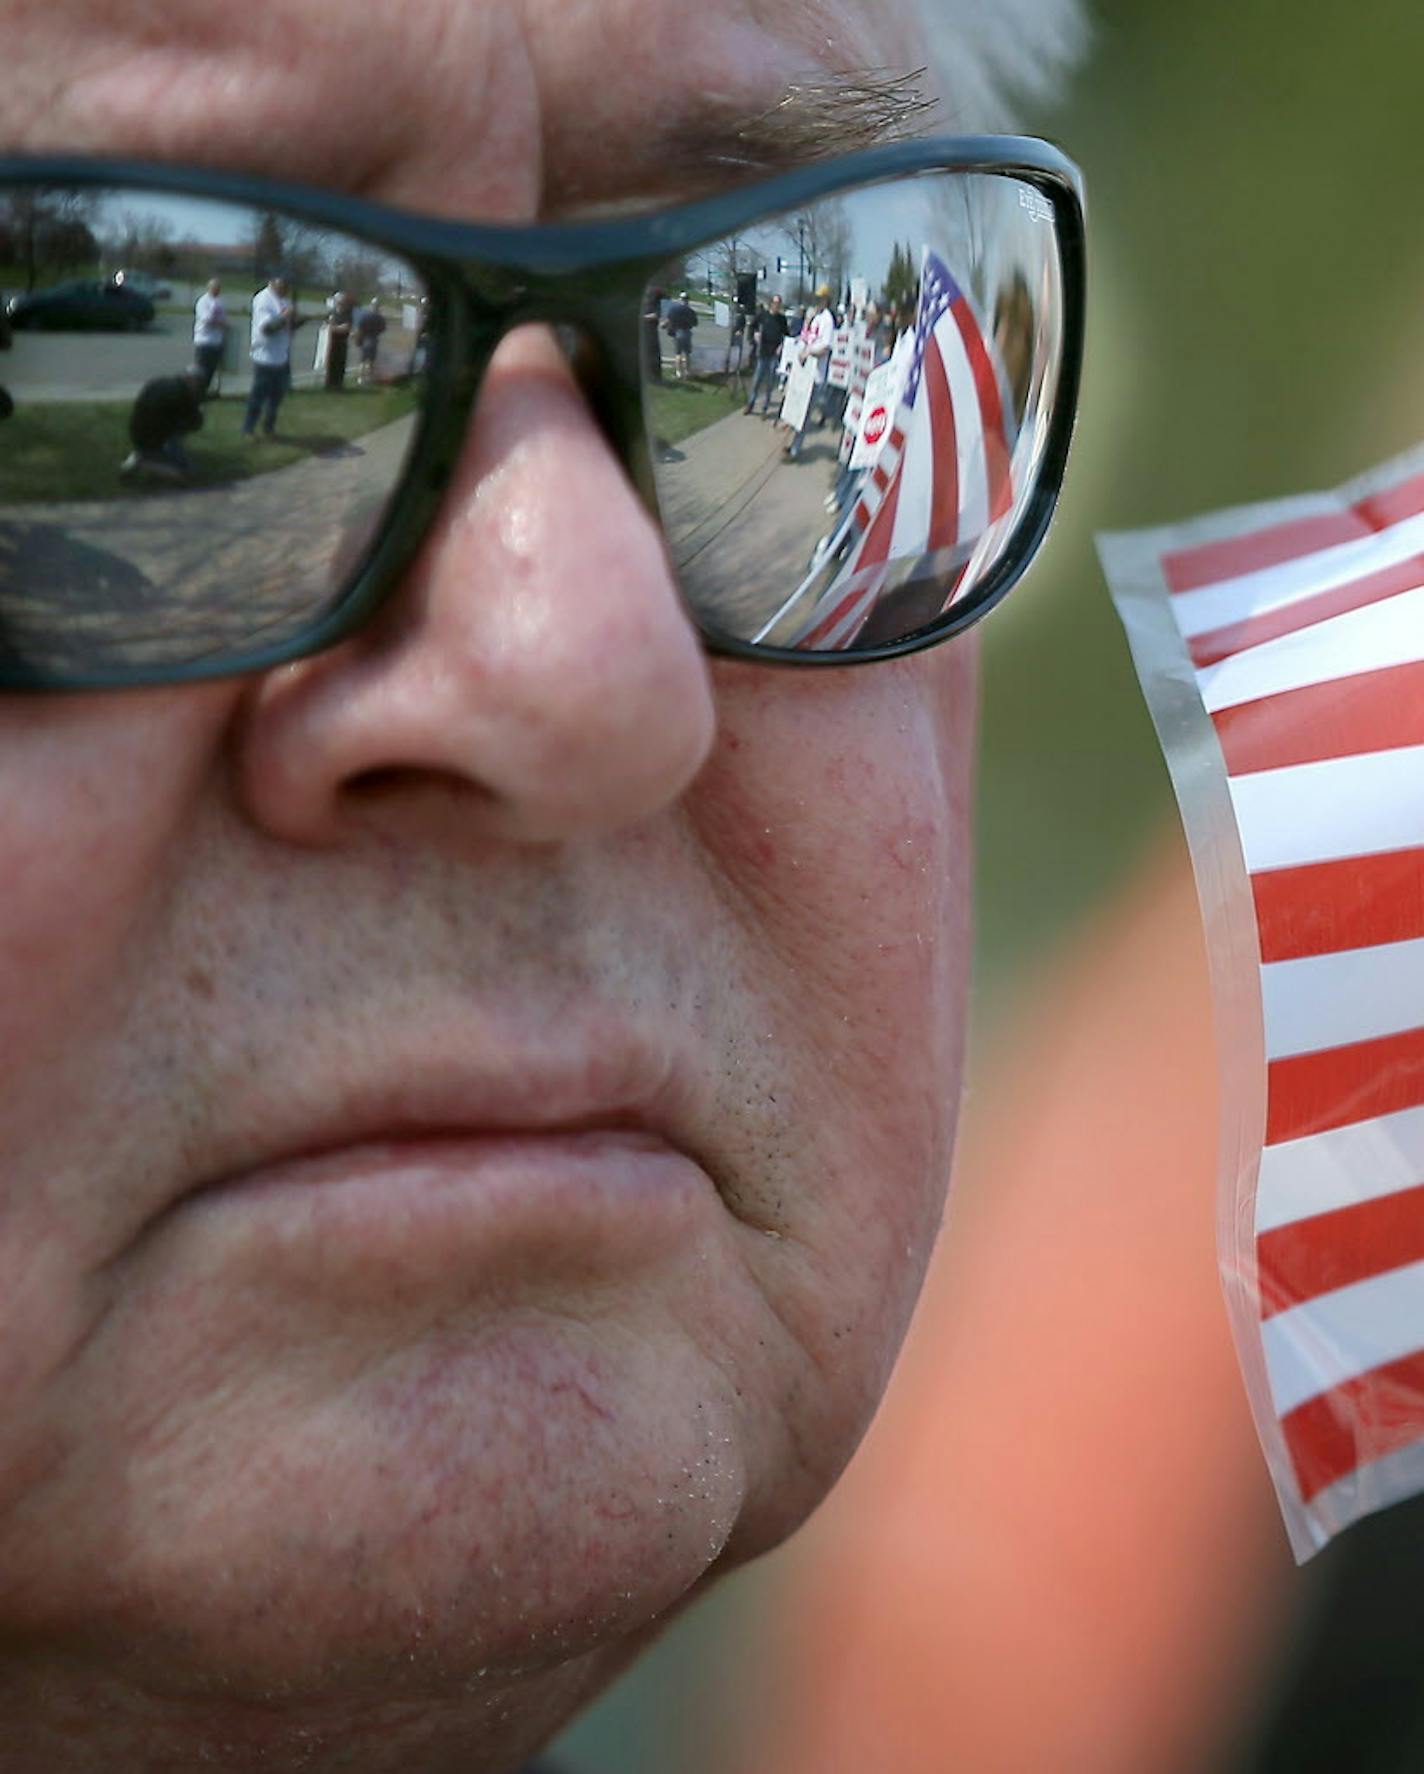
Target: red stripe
point(842, 609)
point(1187, 568)
point(1372, 711)
point(1352, 903)
point(874, 546)
point(991, 411)
point(1329, 1250)
point(944, 456)
point(1309, 1092)
point(871, 552)
point(1235, 637)
point(1364, 1419)
point(1393, 504)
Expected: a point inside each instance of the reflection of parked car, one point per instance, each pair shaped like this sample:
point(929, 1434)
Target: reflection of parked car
point(144, 285)
point(83, 304)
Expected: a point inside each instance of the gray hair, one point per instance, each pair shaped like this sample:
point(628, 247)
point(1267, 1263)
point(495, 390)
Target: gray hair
point(987, 56)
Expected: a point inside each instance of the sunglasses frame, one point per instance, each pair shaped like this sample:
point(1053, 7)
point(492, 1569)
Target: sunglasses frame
point(484, 280)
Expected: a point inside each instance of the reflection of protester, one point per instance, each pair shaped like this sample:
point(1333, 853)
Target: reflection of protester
point(370, 324)
point(340, 318)
point(652, 347)
point(816, 337)
point(209, 332)
point(771, 335)
point(7, 339)
point(681, 318)
point(166, 410)
point(420, 353)
point(273, 319)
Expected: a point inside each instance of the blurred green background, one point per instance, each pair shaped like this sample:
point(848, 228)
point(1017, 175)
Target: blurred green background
point(1255, 178)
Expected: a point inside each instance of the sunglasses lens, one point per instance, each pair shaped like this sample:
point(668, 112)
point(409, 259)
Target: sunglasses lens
point(849, 406)
point(206, 409)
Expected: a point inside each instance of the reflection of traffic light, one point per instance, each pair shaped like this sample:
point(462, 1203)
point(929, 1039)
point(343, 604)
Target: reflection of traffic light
point(747, 290)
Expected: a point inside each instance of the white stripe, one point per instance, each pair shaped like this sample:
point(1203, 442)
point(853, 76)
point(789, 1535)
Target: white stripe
point(968, 429)
point(1268, 588)
point(1336, 807)
point(1339, 1168)
point(1390, 632)
point(912, 510)
point(1340, 1335)
point(1318, 1001)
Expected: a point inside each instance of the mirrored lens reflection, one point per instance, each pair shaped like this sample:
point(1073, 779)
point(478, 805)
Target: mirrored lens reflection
point(849, 405)
point(205, 410)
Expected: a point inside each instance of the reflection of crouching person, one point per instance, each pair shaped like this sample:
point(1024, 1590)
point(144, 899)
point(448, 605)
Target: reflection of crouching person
point(166, 410)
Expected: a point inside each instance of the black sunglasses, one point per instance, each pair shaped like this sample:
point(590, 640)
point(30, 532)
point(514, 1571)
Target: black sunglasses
point(917, 382)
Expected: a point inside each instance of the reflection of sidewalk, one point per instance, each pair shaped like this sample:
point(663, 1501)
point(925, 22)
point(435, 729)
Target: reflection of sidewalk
point(205, 566)
point(743, 522)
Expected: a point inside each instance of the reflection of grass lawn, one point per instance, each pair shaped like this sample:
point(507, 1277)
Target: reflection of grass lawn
point(72, 449)
point(677, 409)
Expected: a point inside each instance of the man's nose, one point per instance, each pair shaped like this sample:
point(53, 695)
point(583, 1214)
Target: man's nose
point(536, 660)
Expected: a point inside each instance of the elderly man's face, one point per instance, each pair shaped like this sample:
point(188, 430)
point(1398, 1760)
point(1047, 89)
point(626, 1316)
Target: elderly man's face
point(477, 1102)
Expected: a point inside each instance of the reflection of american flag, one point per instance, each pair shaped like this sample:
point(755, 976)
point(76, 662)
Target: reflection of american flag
point(942, 478)
point(1304, 624)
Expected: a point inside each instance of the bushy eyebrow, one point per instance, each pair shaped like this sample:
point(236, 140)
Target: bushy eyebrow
point(811, 120)
point(712, 142)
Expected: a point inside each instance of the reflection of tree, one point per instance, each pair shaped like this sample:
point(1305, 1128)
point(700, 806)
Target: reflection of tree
point(269, 245)
point(316, 256)
point(729, 259)
point(46, 228)
point(820, 235)
point(357, 271)
point(140, 239)
point(901, 293)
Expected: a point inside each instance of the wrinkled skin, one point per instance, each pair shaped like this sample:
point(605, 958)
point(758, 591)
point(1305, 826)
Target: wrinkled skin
point(396, 1485)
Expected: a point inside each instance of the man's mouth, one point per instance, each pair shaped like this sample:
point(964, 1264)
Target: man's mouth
point(444, 1168)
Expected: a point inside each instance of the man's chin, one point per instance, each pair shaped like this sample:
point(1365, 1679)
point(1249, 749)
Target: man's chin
point(478, 1511)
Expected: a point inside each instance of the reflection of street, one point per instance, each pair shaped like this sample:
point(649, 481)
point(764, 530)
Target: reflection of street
point(95, 366)
point(177, 574)
point(87, 366)
point(744, 523)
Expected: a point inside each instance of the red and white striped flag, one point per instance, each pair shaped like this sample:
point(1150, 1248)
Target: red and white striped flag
point(940, 485)
point(1282, 650)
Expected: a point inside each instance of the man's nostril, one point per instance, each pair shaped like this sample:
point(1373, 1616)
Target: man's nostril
point(371, 788)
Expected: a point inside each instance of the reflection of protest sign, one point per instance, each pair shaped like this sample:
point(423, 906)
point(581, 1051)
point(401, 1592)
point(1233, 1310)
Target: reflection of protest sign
point(876, 411)
point(796, 402)
point(721, 314)
point(410, 317)
point(323, 339)
point(839, 373)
